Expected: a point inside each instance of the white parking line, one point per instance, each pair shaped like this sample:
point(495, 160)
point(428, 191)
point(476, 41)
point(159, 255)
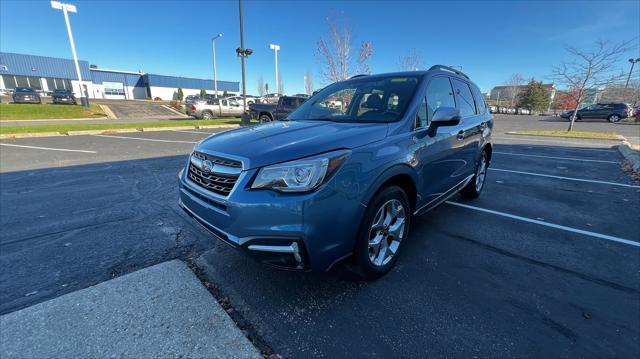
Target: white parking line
point(546, 224)
point(47, 148)
point(565, 178)
point(145, 139)
point(554, 157)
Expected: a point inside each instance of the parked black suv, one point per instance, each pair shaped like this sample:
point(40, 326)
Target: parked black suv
point(266, 112)
point(613, 112)
point(63, 96)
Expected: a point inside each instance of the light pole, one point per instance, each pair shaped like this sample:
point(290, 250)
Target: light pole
point(213, 49)
point(66, 8)
point(633, 62)
point(275, 49)
point(243, 54)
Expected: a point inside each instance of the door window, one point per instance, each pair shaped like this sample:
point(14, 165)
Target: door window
point(288, 102)
point(421, 116)
point(439, 94)
point(480, 104)
point(464, 98)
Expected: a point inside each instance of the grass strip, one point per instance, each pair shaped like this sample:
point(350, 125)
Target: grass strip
point(64, 128)
point(17, 112)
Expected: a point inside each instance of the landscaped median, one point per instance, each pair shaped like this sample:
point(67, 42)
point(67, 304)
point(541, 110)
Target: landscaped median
point(572, 134)
point(86, 128)
point(20, 112)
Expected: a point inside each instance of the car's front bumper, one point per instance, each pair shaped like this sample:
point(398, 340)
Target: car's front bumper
point(310, 231)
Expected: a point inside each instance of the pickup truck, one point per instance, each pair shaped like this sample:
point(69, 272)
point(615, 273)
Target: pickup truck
point(213, 108)
point(265, 112)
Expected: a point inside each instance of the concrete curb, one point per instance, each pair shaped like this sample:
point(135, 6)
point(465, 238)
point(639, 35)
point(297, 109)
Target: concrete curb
point(633, 156)
point(175, 111)
point(162, 311)
point(107, 131)
point(108, 112)
point(620, 138)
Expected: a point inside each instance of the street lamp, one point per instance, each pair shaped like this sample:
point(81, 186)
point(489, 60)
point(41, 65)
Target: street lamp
point(213, 49)
point(275, 49)
point(66, 8)
point(243, 54)
point(633, 62)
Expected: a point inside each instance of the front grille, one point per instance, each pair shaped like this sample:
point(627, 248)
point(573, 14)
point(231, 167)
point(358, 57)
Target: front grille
point(218, 160)
point(214, 182)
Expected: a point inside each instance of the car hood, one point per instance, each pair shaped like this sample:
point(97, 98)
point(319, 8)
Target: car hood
point(281, 141)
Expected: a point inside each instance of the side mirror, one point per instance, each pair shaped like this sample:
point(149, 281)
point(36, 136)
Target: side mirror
point(446, 116)
point(443, 117)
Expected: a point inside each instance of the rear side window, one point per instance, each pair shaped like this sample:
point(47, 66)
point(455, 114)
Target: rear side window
point(288, 101)
point(466, 104)
point(480, 104)
point(439, 94)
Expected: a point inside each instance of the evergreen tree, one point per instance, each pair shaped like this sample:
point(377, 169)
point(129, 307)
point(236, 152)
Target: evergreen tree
point(535, 97)
point(202, 92)
point(180, 94)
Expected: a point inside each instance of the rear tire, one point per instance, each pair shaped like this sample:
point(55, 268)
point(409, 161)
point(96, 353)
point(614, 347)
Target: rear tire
point(384, 227)
point(474, 187)
point(265, 118)
point(613, 118)
point(207, 115)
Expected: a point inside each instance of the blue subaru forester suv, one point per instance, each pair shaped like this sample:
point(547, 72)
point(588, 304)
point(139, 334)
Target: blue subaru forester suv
point(345, 173)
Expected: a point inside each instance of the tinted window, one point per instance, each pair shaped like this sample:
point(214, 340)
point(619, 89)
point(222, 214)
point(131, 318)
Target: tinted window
point(363, 99)
point(480, 104)
point(464, 98)
point(439, 94)
point(288, 101)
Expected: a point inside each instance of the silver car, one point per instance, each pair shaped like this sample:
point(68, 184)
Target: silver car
point(214, 108)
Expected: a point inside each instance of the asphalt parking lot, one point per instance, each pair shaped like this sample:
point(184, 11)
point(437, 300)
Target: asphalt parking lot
point(546, 263)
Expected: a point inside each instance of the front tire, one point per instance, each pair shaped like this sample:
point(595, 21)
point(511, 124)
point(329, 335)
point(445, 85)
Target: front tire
point(474, 187)
point(385, 225)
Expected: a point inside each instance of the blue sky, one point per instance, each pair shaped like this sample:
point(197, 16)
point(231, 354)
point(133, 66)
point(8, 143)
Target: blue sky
point(490, 40)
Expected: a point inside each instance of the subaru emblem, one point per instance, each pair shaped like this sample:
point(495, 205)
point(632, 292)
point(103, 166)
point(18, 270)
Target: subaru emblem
point(207, 166)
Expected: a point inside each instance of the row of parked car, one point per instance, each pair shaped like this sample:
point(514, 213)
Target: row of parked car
point(29, 95)
point(266, 108)
point(612, 112)
point(509, 110)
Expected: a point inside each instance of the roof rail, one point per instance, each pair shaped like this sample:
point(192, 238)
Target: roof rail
point(356, 76)
point(447, 68)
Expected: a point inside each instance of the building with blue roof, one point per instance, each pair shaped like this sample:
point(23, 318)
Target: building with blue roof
point(45, 74)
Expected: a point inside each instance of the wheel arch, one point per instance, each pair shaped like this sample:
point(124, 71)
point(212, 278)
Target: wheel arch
point(402, 176)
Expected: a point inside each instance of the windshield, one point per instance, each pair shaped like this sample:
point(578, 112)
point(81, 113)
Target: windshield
point(23, 89)
point(64, 92)
point(364, 99)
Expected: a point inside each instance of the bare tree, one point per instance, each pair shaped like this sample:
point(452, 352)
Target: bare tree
point(308, 82)
point(262, 90)
point(590, 70)
point(411, 61)
point(514, 88)
point(337, 57)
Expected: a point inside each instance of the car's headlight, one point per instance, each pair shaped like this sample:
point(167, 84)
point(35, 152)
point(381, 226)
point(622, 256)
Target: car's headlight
point(302, 175)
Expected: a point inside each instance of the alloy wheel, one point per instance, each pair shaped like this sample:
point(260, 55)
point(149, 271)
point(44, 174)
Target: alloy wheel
point(386, 233)
point(481, 173)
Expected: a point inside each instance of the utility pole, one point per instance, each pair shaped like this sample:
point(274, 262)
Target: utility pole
point(275, 49)
point(213, 49)
point(243, 53)
point(66, 8)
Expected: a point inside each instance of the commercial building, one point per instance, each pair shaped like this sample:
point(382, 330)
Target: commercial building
point(45, 74)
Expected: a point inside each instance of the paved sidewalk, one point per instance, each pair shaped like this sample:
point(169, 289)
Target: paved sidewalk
point(158, 312)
